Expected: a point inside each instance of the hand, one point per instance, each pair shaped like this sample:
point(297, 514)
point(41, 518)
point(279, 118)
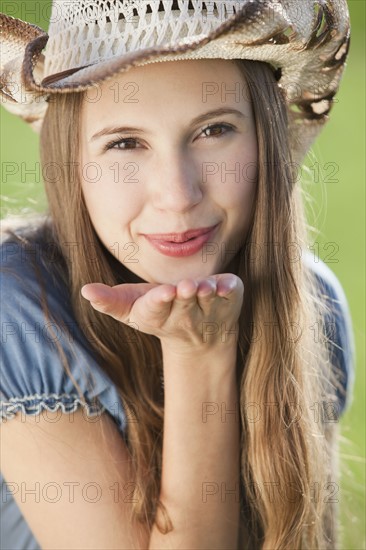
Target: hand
point(192, 314)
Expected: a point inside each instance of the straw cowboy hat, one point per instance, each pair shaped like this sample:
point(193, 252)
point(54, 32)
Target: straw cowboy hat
point(89, 41)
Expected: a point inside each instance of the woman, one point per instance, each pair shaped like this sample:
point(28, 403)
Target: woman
point(172, 300)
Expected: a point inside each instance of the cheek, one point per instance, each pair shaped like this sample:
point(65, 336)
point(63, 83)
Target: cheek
point(237, 195)
point(237, 190)
point(106, 185)
point(236, 175)
point(111, 197)
point(240, 209)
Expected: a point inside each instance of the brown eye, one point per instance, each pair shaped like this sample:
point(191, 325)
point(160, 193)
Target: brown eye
point(122, 144)
point(126, 143)
point(217, 130)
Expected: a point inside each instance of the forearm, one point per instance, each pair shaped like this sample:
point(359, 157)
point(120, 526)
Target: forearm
point(201, 466)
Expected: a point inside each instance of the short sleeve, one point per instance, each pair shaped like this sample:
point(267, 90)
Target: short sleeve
point(38, 334)
point(339, 329)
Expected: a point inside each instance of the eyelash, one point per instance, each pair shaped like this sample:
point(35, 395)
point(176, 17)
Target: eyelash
point(112, 144)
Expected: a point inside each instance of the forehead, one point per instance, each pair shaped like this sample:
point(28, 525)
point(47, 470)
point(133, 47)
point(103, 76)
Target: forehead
point(167, 87)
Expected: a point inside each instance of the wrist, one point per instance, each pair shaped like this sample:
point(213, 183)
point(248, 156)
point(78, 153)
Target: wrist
point(213, 361)
point(189, 351)
point(212, 340)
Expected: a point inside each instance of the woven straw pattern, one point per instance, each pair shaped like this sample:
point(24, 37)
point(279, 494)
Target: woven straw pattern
point(84, 33)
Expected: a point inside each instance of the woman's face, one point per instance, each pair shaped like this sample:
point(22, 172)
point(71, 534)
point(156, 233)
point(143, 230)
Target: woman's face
point(151, 168)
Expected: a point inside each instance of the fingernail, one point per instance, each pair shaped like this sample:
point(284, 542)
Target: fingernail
point(231, 285)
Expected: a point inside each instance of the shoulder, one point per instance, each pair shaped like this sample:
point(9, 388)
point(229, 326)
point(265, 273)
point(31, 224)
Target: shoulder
point(338, 325)
point(28, 252)
point(329, 284)
point(46, 361)
point(28, 275)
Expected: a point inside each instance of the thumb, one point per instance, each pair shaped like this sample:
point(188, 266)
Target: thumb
point(104, 299)
point(115, 301)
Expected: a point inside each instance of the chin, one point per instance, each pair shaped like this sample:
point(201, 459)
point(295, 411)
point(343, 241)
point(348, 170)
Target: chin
point(174, 276)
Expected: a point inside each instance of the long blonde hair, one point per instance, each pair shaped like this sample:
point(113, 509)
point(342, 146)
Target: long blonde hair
point(287, 454)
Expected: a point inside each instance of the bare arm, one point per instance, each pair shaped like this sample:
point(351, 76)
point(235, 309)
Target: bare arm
point(200, 459)
point(71, 477)
point(200, 478)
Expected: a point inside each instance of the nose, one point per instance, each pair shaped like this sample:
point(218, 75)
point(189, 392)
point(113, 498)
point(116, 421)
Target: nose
point(176, 185)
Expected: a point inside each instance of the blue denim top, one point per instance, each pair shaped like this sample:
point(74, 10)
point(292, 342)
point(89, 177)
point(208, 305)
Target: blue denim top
point(32, 377)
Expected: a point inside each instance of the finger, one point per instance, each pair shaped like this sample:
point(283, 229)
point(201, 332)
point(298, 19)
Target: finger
point(96, 292)
point(207, 292)
point(118, 301)
point(154, 306)
point(162, 294)
point(206, 287)
point(187, 291)
point(229, 285)
point(106, 299)
point(128, 292)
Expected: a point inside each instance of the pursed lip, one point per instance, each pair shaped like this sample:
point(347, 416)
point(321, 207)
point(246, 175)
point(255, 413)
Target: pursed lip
point(180, 237)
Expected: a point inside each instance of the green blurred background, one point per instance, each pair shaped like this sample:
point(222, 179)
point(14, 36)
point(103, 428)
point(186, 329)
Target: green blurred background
point(336, 210)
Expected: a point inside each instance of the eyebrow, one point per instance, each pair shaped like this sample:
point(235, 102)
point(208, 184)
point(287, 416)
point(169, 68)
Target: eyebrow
point(197, 120)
